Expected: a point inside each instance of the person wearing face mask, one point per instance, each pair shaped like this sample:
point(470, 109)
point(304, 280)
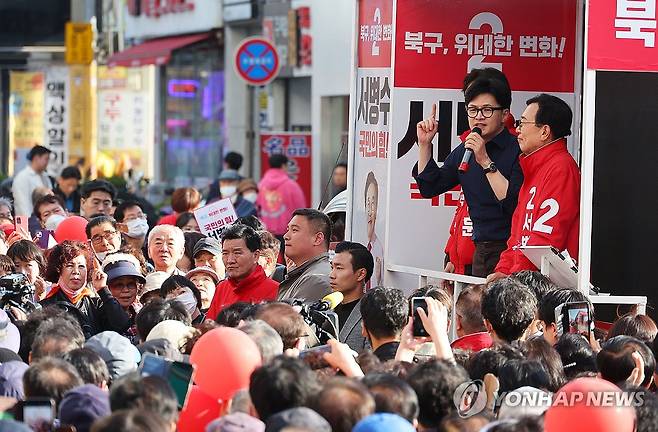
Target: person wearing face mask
point(49, 209)
point(229, 187)
point(103, 232)
point(182, 289)
point(81, 288)
point(135, 223)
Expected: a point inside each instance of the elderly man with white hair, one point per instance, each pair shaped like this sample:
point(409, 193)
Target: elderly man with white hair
point(166, 245)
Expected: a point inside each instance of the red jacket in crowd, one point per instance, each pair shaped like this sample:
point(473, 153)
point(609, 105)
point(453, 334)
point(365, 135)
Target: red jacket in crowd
point(548, 211)
point(254, 288)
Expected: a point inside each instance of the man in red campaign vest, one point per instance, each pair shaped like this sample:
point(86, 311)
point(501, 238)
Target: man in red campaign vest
point(245, 278)
point(548, 209)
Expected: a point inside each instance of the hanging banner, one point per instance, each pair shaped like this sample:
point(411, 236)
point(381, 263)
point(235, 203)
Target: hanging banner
point(56, 117)
point(621, 35)
point(125, 120)
point(26, 113)
point(436, 44)
point(371, 138)
point(297, 147)
point(80, 120)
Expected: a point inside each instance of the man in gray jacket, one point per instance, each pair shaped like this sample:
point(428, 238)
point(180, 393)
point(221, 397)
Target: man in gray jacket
point(307, 245)
point(351, 270)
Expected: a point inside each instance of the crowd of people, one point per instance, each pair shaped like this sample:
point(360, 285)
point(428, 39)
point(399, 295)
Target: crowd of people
point(114, 319)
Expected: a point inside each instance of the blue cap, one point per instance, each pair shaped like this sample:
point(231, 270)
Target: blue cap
point(383, 422)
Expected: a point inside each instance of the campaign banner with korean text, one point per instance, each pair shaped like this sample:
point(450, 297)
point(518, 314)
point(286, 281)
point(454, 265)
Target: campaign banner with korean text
point(437, 43)
point(370, 148)
point(621, 35)
point(126, 122)
point(297, 147)
point(26, 113)
point(56, 124)
point(214, 218)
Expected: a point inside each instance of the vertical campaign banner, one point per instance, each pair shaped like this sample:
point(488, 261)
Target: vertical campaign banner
point(297, 147)
point(125, 119)
point(56, 123)
point(26, 113)
point(371, 135)
point(436, 44)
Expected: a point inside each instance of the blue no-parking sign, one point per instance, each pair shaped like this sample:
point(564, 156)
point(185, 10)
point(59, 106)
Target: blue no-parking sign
point(257, 61)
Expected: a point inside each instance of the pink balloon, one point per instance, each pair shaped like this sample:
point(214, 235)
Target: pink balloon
point(72, 228)
point(200, 409)
point(224, 358)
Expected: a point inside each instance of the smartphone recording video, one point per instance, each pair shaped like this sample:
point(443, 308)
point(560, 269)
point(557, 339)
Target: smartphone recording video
point(418, 328)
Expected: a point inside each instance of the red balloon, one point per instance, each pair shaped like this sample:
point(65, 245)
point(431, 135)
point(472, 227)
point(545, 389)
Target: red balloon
point(589, 404)
point(224, 358)
point(72, 228)
point(199, 410)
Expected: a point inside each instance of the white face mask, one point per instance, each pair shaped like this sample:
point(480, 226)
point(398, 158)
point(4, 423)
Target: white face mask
point(53, 221)
point(188, 300)
point(137, 228)
point(101, 256)
point(250, 196)
point(228, 191)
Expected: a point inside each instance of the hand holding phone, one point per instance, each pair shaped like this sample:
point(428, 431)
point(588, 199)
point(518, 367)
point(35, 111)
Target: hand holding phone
point(314, 357)
point(418, 327)
point(573, 318)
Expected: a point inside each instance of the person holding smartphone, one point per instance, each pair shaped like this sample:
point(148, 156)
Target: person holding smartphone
point(72, 268)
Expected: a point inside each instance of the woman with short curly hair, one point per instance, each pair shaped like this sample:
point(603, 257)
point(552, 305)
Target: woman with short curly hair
point(81, 287)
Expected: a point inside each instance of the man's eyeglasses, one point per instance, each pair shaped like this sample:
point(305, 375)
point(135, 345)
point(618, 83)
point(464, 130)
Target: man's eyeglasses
point(519, 123)
point(107, 235)
point(487, 112)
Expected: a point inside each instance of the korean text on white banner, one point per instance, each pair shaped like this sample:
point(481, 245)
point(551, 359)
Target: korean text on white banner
point(436, 44)
point(214, 218)
point(371, 133)
point(56, 121)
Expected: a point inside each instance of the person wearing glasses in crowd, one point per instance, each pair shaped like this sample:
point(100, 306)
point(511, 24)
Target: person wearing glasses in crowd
point(491, 185)
point(104, 235)
point(131, 215)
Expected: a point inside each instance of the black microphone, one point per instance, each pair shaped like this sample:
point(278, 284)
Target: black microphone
point(463, 166)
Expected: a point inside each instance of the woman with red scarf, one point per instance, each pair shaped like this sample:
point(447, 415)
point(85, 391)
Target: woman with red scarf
point(72, 269)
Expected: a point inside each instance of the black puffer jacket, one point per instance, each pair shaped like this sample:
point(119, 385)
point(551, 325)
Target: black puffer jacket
point(95, 314)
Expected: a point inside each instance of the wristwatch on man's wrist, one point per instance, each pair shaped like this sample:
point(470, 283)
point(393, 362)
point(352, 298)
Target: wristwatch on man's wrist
point(490, 169)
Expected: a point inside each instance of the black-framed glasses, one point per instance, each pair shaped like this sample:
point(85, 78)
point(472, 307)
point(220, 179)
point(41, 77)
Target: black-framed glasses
point(487, 112)
point(519, 123)
point(107, 235)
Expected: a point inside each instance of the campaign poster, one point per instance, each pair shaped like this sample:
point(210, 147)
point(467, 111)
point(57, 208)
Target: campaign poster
point(371, 136)
point(534, 42)
point(26, 103)
point(56, 133)
point(297, 147)
point(214, 218)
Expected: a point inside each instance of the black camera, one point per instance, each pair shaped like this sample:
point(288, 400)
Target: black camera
point(17, 291)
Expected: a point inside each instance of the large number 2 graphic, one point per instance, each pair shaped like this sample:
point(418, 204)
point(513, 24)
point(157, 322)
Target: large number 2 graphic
point(478, 21)
point(377, 19)
point(554, 208)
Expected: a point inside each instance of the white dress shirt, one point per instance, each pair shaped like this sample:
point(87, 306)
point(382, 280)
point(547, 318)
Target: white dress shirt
point(22, 187)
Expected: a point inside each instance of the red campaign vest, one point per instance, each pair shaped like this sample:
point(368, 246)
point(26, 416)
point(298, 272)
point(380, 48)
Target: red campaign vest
point(548, 212)
point(460, 247)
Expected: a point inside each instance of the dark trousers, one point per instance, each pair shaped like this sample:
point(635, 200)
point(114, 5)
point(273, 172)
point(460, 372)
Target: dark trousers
point(486, 256)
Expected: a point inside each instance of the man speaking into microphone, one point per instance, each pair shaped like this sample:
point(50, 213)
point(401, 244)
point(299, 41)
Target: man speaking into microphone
point(485, 165)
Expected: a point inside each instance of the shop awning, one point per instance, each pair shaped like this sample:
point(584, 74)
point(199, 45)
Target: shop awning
point(153, 52)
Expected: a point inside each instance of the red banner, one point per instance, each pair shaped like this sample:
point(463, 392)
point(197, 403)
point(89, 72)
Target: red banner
point(436, 50)
point(375, 33)
point(297, 146)
point(622, 35)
